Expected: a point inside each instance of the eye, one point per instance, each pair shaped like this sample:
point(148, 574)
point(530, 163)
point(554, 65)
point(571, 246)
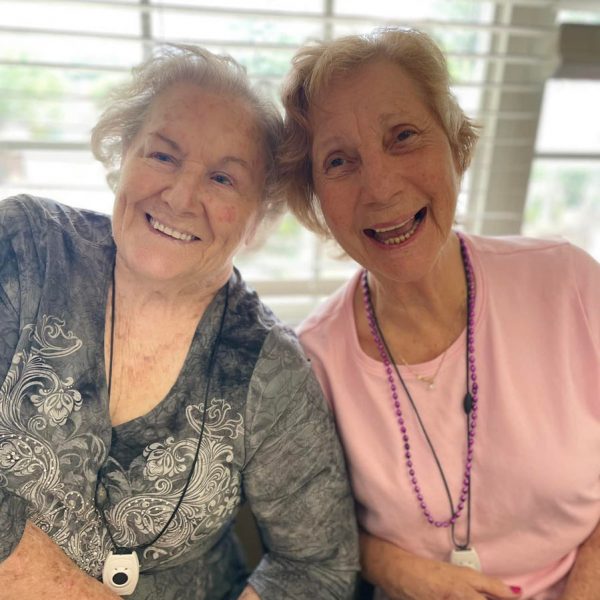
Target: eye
point(222, 179)
point(338, 164)
point(334, 162)
point(404, 134)
point(163, 158)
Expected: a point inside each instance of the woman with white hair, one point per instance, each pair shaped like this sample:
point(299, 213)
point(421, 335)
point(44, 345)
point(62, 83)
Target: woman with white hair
point(145, 391)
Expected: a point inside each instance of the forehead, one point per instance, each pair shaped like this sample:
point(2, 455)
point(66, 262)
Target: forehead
point(377, 88)
point(194, 110)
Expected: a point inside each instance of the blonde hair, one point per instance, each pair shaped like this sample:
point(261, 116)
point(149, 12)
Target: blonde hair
point(314, 66)
point(130, 103)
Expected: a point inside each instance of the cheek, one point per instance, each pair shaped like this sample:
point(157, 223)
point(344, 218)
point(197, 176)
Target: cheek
point(337, 211)
point(227, 215)
point(442, 185)
point(327, 196)
point(339, 222)
point(118, 209)
point(123, 208)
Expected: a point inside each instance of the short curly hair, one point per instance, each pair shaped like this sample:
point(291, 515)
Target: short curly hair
point(130, 103)
point(314, 66)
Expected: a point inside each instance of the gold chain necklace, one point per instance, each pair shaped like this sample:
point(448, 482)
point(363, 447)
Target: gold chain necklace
point(427, 380)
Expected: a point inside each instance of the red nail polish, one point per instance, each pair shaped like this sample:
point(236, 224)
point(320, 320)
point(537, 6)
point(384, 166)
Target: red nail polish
point(515, 589)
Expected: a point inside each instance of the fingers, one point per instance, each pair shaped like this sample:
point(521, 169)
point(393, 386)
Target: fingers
point(495, 589)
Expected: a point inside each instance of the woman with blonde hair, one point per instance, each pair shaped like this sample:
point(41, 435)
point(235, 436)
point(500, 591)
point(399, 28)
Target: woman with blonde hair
point(463, 371)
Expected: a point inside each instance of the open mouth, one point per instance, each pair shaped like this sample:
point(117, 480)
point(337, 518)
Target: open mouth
point(397, 234)
point(169, 231)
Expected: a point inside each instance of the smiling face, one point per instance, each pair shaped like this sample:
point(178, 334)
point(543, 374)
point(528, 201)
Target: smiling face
point(190, 188)
point(383, 171)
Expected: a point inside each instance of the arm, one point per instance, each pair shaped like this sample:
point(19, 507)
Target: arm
point(249, 594)
point(404, 576)
point(583, 582)
point(38, 568)
point(296, 484)
point(32, 566)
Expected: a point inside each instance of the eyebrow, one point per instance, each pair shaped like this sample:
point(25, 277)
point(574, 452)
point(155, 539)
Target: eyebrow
point(330, 140)
point(175, 146)
point(334, 140)
point(236, 160)
point(386, 117)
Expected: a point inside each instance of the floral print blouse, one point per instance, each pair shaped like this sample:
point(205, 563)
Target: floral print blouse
point(268, 436)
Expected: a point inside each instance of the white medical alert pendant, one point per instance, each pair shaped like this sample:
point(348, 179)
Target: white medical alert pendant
point(465, 558)
point(121, 572)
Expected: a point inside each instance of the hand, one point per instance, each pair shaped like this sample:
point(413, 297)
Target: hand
point(38, 568)
point(405, 576)
point(424, 579)
point(249, 594)
point(583, 582)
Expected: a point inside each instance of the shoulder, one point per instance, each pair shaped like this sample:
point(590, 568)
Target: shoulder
point(18, 213)
point(39, 215)
point(282, 362)
point(259, 341)
point(523, 257)
point(518, 247)
point(284, 393)
point(281, 373)
point(334, 313)
point(282, 345)
point(328, 335)
point(249, 320)
point(554, 278)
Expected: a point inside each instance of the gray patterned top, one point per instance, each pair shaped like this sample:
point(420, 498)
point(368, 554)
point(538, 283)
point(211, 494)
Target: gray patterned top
point(268, 436)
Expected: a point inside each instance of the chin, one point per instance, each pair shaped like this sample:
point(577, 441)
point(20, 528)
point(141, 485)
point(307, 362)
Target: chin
point(145, 267)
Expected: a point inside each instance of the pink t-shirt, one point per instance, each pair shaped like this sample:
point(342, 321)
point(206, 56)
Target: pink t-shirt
point(536, 471)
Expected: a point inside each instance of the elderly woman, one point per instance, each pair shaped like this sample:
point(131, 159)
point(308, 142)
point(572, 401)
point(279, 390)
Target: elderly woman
point(145, 391)
point(463, 371)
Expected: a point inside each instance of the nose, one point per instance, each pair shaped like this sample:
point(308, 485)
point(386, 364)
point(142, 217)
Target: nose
point(183, 191)
point(381, 178)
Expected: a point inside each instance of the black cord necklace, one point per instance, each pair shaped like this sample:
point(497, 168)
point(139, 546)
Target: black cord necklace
point(121, 568)
point(438, 463)
point(462, 554)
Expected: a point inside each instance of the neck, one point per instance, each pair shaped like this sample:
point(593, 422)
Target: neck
point(420, 318)
point(180, 300)
point(438, 296)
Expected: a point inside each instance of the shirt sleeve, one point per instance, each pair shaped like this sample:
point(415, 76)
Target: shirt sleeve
point(9, 317)
point(586, 271)
point(296, 483)
point(12, 520)
point(12, 508)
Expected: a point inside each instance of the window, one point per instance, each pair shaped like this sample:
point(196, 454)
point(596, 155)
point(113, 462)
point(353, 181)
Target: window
point(58, 59)
point(563, 193)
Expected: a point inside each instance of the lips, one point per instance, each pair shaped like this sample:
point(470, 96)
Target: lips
point(170, 231)
point(397, 234)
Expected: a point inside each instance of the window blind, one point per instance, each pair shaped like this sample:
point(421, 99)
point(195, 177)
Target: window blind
point(58, 59)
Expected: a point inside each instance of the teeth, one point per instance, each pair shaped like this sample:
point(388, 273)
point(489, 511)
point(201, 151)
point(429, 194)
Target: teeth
point(404, 237)
point(178, 235)
point(384, 229)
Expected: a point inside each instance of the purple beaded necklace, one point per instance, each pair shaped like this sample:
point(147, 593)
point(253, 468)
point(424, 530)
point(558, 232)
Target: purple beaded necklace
point(470, 403)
